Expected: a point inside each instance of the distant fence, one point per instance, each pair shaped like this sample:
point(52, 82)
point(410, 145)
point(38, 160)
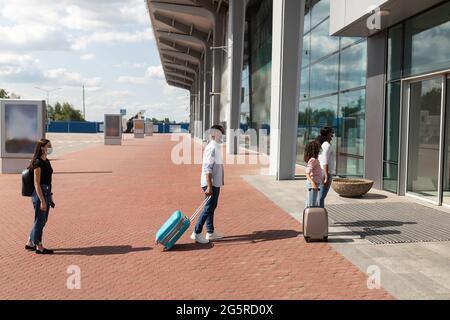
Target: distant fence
point(74, 127)
point(170, 128)
point(95, 127)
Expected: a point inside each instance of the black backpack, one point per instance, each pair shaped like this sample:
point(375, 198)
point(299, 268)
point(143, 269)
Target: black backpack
point(27, 182)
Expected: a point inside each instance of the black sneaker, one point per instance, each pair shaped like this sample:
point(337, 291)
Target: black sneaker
point(45, 251)
point(30, 248)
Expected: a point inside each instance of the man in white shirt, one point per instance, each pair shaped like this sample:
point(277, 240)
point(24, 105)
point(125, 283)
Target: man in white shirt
point(326, 159)
point(212, 178)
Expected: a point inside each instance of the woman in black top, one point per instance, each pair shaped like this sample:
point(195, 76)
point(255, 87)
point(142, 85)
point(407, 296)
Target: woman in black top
point(42, 196)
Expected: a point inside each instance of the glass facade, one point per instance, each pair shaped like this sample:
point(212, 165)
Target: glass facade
point(245, 96)
point(333, 82)
point(351, 133)
point(427, 41)
point(417, 46)
point(424, 137)
point(446, 182)
point(256, 78)
point(391, 136)
point(332, 90)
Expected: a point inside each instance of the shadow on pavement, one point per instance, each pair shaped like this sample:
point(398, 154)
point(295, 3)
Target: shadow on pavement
point(84, 172)
point(191, 247)
point(261, 236)
point(339, 240)
point(365, 233)
point(372, 224)
point(100, 251)
point(374, 196)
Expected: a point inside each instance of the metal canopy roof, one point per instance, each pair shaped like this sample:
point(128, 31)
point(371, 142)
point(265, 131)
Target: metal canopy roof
point(183, 29)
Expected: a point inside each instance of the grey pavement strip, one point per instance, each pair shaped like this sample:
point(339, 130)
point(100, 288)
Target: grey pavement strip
point(413, 257)
point(398, 222)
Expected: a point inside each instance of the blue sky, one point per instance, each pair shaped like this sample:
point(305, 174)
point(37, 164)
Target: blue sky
point(107, 44)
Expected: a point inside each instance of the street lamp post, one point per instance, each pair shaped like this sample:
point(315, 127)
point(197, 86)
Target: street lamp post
point(47, 91)
point(84, 103)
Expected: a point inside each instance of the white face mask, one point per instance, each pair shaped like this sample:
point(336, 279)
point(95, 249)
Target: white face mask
point(219, 138)
point(49, 151)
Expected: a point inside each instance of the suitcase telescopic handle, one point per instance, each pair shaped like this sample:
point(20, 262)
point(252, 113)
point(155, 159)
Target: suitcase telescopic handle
point(195, 214)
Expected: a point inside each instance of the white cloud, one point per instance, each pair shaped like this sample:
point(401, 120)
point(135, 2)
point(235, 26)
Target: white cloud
point(138, 65)
point(153, 73)
point(80, 19)
point(17, 60)
point(133, 80)
point(32, 38)
point(64, 77)
point(140, 16)
point(37, 40)
point(134, 65)
point(19, 68)
point(76, 14)
point(119, 93)
point(168, 90)
point(109, 37)
point(47, 25)
point(88, 56)
point(27, 69)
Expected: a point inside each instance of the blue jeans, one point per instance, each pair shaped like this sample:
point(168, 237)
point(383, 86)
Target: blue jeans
point(208, 212)
point(324, 191)
point(312, 197)
point(40, 217)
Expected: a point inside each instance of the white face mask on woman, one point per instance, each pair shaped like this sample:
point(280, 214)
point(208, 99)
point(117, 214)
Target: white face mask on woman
point(219, 138)
point(49, 151)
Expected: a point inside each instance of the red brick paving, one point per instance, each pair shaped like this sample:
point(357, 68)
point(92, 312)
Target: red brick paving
point(115, 199)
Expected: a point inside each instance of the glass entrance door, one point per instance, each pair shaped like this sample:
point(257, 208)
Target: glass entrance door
point(446, 172)
point(424, 138)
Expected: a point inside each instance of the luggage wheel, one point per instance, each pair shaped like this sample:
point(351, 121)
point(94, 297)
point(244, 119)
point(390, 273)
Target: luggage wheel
point(307, 239)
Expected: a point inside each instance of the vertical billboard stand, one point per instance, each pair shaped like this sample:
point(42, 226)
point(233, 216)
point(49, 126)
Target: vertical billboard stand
point(149, 128)
point(22, 124)
point(139, 128)
point(113, 129)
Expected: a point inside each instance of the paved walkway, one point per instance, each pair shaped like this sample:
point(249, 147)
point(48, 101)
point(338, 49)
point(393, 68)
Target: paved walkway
point(71, 142)
point(110, 202)
point(416, 270)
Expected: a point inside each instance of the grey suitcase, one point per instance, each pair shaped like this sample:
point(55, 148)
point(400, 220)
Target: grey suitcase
point(315, 224)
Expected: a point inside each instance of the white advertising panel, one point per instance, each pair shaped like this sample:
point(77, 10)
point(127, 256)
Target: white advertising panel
point(113, 126)
point(22, 125)
point(139, 126)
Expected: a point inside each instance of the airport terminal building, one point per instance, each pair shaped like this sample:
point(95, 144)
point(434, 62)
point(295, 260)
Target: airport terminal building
point(377, 71)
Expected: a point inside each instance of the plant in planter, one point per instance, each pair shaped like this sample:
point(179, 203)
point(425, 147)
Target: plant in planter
point(351, 188)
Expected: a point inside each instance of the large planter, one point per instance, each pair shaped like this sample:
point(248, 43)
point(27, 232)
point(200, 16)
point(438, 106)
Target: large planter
point(352, 188)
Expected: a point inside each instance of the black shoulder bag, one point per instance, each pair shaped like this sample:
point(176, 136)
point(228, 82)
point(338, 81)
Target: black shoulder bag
point(27, 182)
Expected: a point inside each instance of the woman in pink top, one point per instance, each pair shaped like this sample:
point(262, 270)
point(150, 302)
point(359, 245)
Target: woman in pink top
point(313, 173)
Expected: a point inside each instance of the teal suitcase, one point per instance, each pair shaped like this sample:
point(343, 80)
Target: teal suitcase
point(175, 227)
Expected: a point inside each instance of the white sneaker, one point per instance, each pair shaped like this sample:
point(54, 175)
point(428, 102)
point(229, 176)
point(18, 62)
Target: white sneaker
point(213, 236)
point(197, 237)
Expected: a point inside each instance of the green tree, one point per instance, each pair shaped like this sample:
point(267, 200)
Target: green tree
point(50, 113)
point(8, 95)
point(64, 112)
point(166, 120)
point(4, 94)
